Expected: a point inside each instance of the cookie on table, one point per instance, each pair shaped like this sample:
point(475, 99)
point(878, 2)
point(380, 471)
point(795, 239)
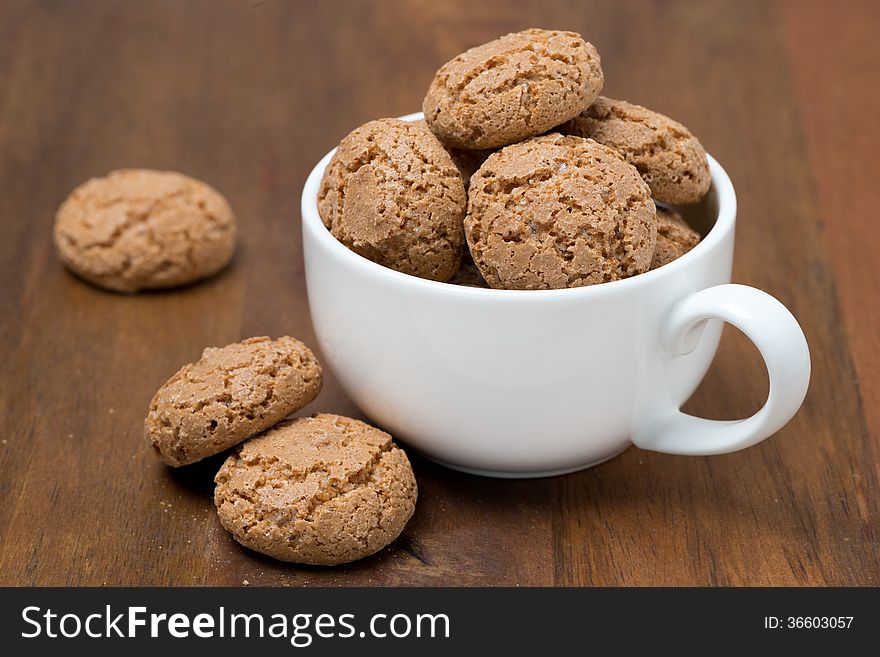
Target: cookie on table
point(323, 490)
point(559, 211)
point(512, 88)
point(138, 229)
point(230, 394)
point(669, 157)
point(674, 237)
point(392, 194)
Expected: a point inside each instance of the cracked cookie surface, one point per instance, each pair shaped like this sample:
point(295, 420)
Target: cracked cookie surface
point(323, 490)
point(138, 229)
point(670, 159)
point(674, 237)
point(559, 211)
point(512, 88)
point(230, 394)
point(392, 194)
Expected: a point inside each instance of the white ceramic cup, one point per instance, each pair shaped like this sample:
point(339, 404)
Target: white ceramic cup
point(513, 383)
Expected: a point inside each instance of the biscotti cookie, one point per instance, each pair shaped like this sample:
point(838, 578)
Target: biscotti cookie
point(323, 490)
point(559, 211)
point(230, 394)
point(512, 88)
point(674, 237)
point(138, 229)
point(392, 194)
point(670, 159)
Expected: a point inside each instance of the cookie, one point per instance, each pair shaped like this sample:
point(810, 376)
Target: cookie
point(512, 88)
point(671, 160)
point(138, 229)
point(468, 275)
point(230, 394)
point(559, 211)
point(323, 490)
point(674, 237)
point(392, 194)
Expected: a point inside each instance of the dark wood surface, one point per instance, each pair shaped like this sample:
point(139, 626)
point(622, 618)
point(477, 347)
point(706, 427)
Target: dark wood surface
point(247, 96)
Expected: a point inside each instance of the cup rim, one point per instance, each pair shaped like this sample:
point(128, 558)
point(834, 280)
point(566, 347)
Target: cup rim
point(311, 221)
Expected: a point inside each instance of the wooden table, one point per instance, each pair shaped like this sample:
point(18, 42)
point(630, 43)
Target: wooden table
point(247, 96)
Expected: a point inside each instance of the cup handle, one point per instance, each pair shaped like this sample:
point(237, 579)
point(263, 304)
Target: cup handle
point(779, 338)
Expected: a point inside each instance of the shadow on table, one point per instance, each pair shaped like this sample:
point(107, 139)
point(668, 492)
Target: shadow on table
point(197, 479)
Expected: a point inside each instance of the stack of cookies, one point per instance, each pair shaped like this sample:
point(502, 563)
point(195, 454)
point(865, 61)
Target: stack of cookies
point(521, 175)
point(320, 490)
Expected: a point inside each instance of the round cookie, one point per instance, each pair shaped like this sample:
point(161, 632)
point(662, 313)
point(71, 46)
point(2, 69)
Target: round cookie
point(674, 237)
point(670, 159)
point(559, 211)
point(512, 88)
point(230, 394)
point(323, 490)
point(392, 194)
point(138, 229)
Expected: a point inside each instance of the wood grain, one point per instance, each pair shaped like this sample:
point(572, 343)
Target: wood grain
point(247, 96)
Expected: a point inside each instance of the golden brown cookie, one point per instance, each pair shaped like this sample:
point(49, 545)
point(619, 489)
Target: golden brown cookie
point(559, 211)
point(138, 229)
point(323, 490)
point(230, 394)
point(512, 88)
point(670, 159)
point(392, 194)
point(674, 237)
